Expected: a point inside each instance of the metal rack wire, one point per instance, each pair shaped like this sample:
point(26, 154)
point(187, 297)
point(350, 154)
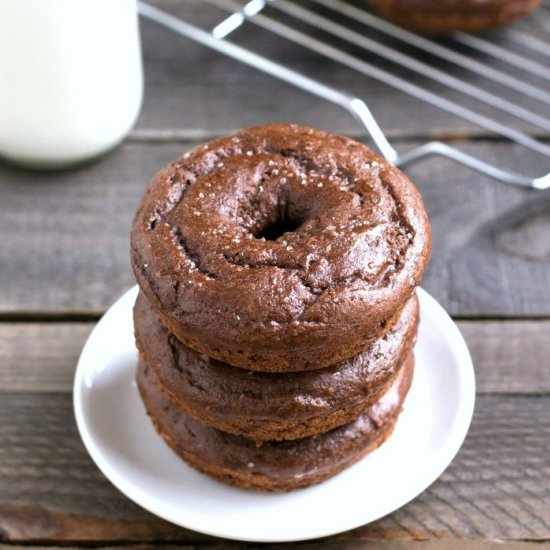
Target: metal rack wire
point(380, 38)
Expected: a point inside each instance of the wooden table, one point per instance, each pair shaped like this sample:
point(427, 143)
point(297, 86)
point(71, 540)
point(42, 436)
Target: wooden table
point(64, 260)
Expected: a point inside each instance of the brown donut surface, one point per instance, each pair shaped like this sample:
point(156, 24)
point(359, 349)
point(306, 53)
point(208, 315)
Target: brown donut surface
point(281, 248)
point(448, 16)
point(271, 406)
point(273, 466)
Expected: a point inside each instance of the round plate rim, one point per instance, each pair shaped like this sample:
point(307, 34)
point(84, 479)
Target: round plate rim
point(451, 448)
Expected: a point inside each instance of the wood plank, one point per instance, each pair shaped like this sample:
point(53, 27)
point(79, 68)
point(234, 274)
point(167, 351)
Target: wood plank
point(498, 487)
point(191, 87)
point(65, 236)
point(509, 357)
point(324, 544)
point(40, 357)
point(491, 253)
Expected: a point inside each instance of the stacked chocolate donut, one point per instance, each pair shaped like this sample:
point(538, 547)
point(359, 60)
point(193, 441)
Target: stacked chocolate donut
point(277, 312)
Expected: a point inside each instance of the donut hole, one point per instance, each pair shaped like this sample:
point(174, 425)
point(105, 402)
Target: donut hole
point(278, 227)
point(284, 214)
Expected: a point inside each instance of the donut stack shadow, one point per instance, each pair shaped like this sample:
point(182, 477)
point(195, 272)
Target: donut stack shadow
point(252, 401)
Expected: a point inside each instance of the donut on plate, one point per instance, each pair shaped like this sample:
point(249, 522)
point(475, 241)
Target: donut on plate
point(271, 406)
point(281, 248)
point(276, 465)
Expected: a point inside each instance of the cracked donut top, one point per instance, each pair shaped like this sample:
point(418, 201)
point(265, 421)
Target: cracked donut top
point(277, 229)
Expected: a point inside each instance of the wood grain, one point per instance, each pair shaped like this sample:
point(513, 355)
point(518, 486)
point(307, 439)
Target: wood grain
point(509, 357)
point(489, 259)
point(40, 357)
point(323, 544)
point(65, 237)
point(497, 487)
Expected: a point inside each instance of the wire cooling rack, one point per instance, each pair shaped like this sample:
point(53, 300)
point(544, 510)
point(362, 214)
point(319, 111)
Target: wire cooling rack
point(508, 74)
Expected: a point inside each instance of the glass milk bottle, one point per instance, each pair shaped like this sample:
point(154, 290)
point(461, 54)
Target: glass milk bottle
point(71, 80)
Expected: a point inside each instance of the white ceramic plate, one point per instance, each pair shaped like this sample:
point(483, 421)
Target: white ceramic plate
point(123, 443)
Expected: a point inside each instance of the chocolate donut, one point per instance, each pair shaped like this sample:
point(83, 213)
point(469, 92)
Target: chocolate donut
point(281, 248)
point(273, 466)
point(271, 406)
point(448, 16)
